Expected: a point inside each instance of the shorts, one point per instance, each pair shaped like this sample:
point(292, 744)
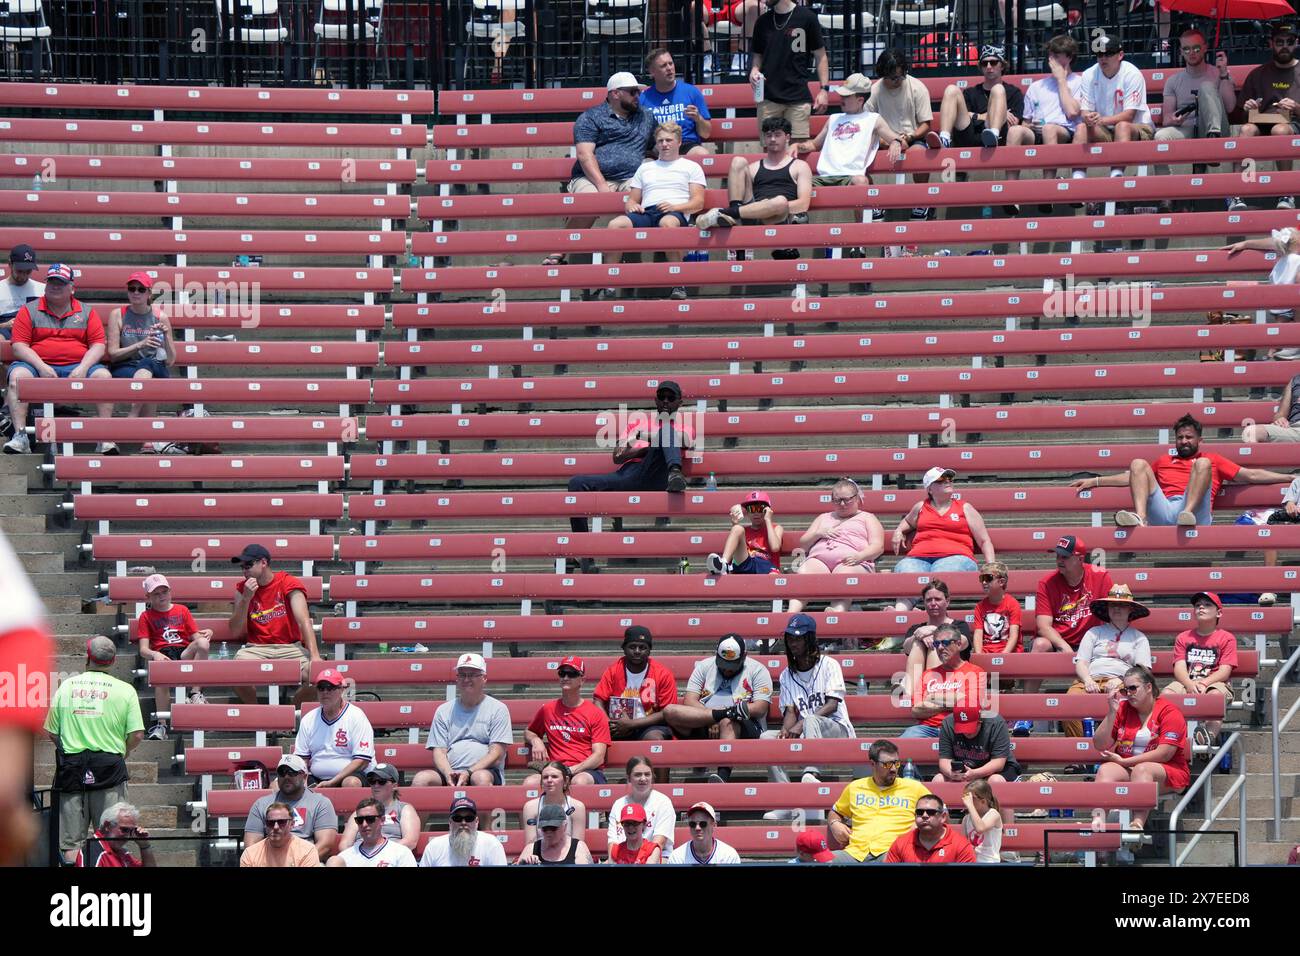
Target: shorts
point(754, 564)
point(1140, 133)
point(1162, 511)
point(172, 652)
point(844, 856)
point(1173, 687)
point(725, 11)
point(641, 734)
point(1280, 432)
point(80, 812)
point(1038, 132)
point(833, 180)
point(797, 113)
point(970, 136)
point(155, 367)
point(497, 778)
point(1268, 127)
point(832, 559)
point(7, 332)
point(650, 218)
point(313, 780)
point(950, 564)
point(581, 184)
point(62, 371)
point(748, 730)
point(598, 776)
point(275, 652)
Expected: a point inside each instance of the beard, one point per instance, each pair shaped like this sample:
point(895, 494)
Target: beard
point(463, 843)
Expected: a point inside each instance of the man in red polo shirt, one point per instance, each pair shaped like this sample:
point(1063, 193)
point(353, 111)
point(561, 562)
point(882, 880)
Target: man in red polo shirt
point(55, 337)
point(933, 841)
point(1179, 488)
point(571, 730)
point(271, 616)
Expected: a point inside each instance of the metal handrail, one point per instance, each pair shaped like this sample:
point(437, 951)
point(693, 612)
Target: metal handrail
point(1204, 780)
point(1277, 728)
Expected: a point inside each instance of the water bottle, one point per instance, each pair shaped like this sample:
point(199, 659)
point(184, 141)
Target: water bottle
point(1089, 727)
point(760, 88)
point(223, 652)
point(862, 685)
point(712, 483)
point(383, 647)
point(986, 212)
point(909, 771)
point(684, 567)
point(37, 183)
point(697, 255)
point(1225, 764)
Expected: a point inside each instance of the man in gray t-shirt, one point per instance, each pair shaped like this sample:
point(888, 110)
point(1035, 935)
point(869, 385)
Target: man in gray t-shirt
point(1197, 99)
point(314, 817)
point(469, 736)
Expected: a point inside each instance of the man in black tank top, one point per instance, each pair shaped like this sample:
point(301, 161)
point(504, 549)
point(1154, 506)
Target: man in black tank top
point(768, 191)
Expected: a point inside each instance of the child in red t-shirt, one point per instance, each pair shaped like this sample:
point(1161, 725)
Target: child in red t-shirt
point(1204, 658)
point(167, 632)
point(997, 616)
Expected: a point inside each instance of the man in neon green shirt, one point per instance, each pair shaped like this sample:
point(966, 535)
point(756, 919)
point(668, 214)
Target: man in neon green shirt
point(94, 721)
point(873, 811)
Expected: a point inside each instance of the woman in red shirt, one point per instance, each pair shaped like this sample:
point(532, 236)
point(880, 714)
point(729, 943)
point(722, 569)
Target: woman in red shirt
point(1142, 738)
point(944, 533)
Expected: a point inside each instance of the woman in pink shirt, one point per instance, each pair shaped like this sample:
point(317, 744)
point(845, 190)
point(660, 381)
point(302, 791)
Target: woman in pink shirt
point(844, 541)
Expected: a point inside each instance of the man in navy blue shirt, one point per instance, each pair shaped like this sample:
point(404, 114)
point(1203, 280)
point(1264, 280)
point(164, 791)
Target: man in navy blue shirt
point(675, 101)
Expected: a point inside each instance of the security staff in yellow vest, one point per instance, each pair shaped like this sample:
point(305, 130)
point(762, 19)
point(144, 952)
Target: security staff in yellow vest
point(55, 337)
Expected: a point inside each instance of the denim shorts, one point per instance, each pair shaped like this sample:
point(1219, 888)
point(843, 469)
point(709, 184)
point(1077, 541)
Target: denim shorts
point(156, 367)
point(62, 371)
point(949, 565)
point(650, 218)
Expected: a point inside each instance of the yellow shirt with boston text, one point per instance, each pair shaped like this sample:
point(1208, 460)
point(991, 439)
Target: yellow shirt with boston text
point(878, 815)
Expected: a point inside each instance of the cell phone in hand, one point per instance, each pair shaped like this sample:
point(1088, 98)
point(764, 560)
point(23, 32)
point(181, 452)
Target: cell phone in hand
point(1186, 110)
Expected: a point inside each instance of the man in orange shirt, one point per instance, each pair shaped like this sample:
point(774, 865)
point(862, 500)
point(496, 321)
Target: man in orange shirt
point(57, 336)
point(1178, 489)
point(933, 841)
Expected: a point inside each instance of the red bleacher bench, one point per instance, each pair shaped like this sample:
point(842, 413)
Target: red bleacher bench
point(211, 429)
point(225, 674)
point(69, 96)
point(275, 468)
point(220, 133)
point(183, 547)
point(114, 204)
point(199, 589)
point(234, 278)
point(202, 508)
point(215, 169)
point(145, 242)
point(232, 717)
point(292, 392)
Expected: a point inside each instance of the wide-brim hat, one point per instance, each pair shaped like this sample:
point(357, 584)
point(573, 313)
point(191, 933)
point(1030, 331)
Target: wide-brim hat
point(1119, 595)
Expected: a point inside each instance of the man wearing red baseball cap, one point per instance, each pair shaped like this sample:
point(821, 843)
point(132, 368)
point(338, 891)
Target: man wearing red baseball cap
point(571, 730)
point(336, 739)
point(1204, 659)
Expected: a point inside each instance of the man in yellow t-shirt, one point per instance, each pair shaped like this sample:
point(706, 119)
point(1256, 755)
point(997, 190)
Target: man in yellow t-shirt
point(873, 811)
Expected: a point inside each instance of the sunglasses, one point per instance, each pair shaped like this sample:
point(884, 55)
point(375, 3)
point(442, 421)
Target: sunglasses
point(136, 288)
point(895, 78)
point(323, 687)
point(1193, 49)
point(990, 62)
point(464, 818)
point(128, 831)
point(377, 781)
point(845, 501)
point(277, 823)
point(285, 772)
point(362, 821)
point(755, 509)
point(699, 824)
point(1129, 690)
point(1284, 41)
point(987, 579)
point(943, 643)
point(245, 565)
point(927, 812)
point(889, 764)
point(567, 674)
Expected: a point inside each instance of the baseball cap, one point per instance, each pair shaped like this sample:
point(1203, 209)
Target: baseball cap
point(472, 660)
point(966, 721)
point(384, 770)
point(632, 813)
point(463, 803)
point(730, 648)
point(552, 815)
point(153, 582)
point(1210, 595)
point(293, 762)
point(706, 807)
point(1282, 28)
point(812, 842)
point(623, 81)
point(252, 552)
point(991, 52)
point(58, 272)
point(22, 255)
point(800, 624)
point(638, 632)
point(575, 662)
point(669, 386)
point(144, 278)
point(937, 474)
point(1106, 45)
point(101, 650)
point(758, 497)
point(330, 676)
point(856, 84)
point(1068, 544)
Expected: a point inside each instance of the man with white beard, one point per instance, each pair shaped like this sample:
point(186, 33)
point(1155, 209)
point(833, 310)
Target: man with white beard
point(464, 845)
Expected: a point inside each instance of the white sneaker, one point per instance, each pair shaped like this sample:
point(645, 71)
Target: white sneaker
point(106, 448)
point(1286, 202)
point(708, 220)
point(158, 731)
point(810, 776)
point(715, 778)
point(198, 698)
point(20, 444)
point(779, 815)
point(715, 565)
point(1267, 599)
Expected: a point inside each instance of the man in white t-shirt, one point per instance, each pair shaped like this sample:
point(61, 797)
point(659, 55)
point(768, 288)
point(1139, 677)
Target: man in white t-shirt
point(336, 739)
point(1114, 102)
point(665, 192)
point(1053, 110)
point(703, 848)
point(470, 735)
point(372, 848)
point(849, 140)
point(812, 696)
point(464, 845)
point(1197, 99)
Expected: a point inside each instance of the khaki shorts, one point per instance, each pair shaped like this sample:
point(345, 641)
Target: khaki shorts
point(80, 813)
point(1173, 687)
point(1280, 433)
point(797, 113)
point(1140, 133)
point(275, 652)
point(581, 184)
point(832, 181)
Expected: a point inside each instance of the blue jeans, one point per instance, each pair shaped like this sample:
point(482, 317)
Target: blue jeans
point(954, 562)
point(921, 730)
point(648, 473)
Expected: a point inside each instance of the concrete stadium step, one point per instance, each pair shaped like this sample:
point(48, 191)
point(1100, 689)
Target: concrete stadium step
point(161, 796)
point(66, 544)
point(142, 771)
point(28, 466)
point(41, 562)
point(20, 503)
point(70, 664)
point(69, 621)
point(23, 523)
point(174, 846)
point(67, 584)
point(11, 484)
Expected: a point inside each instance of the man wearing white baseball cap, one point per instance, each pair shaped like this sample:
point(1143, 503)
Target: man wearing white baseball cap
point(469, 735)
point(703, 848)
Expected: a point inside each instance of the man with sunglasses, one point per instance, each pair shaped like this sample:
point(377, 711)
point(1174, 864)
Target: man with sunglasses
point(933, 841)
point(1274, 89)
point(703, 848)
point(1197, 100)
point(954, 683)
point(313, 817)
point(107, 848)
point(872, 811)
point(272, 618)
point(571, 730)
point(464, 845)
point(372, 848)
point(282, 848)
point(979, 115)
point(469, 736)
point(336, 739)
